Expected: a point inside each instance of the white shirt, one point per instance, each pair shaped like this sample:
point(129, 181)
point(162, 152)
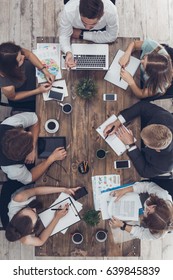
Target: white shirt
point(150, 188)
point(15, 206)
point(70, 18)
point(19, 172)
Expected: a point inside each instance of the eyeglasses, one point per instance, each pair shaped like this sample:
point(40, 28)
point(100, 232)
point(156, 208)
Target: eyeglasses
point(47, 173)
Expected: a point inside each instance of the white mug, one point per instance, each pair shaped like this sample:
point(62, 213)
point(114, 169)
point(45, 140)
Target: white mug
point(66, 108)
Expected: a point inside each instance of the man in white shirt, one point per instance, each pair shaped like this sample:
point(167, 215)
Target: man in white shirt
point(98, 17)
point(18, 147)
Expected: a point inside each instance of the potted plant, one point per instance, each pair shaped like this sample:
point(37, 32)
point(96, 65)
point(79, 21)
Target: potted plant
point(86, 88)
point(92, 217)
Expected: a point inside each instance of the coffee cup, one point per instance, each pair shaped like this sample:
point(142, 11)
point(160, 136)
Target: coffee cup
point(77, 238)
point(101, 235)
point(51, 126)
point(101, 153)
point(66, 108)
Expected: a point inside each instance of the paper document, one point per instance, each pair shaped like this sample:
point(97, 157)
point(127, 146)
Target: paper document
point(69, 219)
point(59, 83)
point(49, 54)
point(101, 183)
point(126, 208)
point(114, 142)
point(113, 74)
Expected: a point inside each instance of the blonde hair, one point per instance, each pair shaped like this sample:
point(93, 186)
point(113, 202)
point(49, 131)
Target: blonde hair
point(157, 136)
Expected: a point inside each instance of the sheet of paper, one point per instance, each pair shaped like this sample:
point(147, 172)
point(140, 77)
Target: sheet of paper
point(126, 208)
point(103, 182)
point(60, 83)
point(71, 218)
point(49, 54)
point(114, 142)
point(113, 74)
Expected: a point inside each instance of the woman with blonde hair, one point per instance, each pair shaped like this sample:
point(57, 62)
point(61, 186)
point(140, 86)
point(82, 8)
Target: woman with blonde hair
point(156, 69)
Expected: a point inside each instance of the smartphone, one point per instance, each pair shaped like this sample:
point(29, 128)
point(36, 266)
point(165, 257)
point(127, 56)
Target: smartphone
point(80, 193)
point(56, 95)
point(110, 97)
point(122, 164)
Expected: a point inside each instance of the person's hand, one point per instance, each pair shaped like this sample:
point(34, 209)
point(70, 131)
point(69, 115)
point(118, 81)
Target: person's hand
point(115, 222)
point(119, 193)
point(124, 60)
point(69, 60)
point(31, 157)
point(125, 135)
point(76, 33)
point(126, 76)
point(44, 87)
point(58, 154)
point(61, 213)
point(116, 125)
point(71, 191)
point(49, 77)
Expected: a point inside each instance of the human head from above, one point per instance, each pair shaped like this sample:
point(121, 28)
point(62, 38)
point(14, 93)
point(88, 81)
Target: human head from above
point(91, 11)
point(11, 58)
point(156, 136)
point(17, 144)
point(23, 223)
point(158, 214)
point(159, 69)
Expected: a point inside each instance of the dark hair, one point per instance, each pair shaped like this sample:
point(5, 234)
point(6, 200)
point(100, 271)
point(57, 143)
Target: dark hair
point(8, 63)
point(162, 218)
point(91, 8)
point(16, 144)
point(21, 225)
point(159, 69)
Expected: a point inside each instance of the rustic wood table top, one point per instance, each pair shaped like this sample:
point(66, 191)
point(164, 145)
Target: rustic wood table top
point(79, 128)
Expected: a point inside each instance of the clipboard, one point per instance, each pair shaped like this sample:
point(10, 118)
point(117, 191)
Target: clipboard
point(69, 219)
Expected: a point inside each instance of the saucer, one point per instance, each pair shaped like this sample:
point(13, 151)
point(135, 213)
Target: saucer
point(51, 126)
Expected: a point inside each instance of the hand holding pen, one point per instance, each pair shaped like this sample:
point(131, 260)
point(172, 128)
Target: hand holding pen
point(109, 131)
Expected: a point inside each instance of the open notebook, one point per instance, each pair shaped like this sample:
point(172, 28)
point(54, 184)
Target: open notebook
point(114, 142)
point(113, 74)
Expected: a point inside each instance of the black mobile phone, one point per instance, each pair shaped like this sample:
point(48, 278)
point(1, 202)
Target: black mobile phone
point(80, 193)
point(122, 164)
point(56, 95)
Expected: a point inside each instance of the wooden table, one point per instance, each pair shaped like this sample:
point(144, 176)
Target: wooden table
point(80, 130)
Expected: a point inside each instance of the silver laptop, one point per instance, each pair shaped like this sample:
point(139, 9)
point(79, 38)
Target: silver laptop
point(89, 56)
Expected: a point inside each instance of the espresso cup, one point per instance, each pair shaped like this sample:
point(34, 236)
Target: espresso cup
point(77, 238)
point(51, 126)
point(66, 108)
point(101, 235)
point(101, 154)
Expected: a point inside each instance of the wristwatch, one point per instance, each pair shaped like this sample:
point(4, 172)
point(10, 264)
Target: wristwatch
point(124, 226)
point(81, 34)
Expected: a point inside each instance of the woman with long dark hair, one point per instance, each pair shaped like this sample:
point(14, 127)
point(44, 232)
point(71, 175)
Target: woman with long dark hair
point(156, 69)
point(17, 76)
point(24, 220)
point(157, 218)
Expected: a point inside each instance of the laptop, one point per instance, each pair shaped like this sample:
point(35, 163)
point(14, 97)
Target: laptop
point(89, 57)
point(46, 145)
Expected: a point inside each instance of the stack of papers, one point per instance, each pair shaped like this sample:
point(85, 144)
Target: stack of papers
point(69, 219)
point(49, 54)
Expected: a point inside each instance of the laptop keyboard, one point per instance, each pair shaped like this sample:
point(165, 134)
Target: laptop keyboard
point(90, 61)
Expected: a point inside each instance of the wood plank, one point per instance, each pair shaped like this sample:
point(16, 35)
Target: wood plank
point(49, 18)
point(26, 23)
point(4, 20)
point(37, 21)
point(14, 21)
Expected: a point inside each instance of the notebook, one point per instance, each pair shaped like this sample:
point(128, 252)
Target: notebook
point(69, 219)
point(114, 142)
point(46, 145)
point(89, 56)
point(113, 74)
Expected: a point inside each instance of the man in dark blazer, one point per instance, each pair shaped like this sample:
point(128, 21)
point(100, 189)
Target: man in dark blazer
point(156, 157)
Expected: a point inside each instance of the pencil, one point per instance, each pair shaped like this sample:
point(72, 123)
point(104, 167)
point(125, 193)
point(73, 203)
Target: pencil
point(85, 165)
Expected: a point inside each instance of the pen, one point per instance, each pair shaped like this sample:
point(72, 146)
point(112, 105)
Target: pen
point(122, 67)
point(58, 209)
point(57, 87)
point(109, 131)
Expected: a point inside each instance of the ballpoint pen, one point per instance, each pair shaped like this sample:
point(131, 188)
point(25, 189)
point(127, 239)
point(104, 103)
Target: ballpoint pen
point(109, 131)
point(57, 87)
point(58, 209)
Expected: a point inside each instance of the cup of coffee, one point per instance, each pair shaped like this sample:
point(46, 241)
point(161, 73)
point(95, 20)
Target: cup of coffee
point(77, 238)
point(101, 154)
point(101, 235)
point(66, 108)
point(51, 126)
